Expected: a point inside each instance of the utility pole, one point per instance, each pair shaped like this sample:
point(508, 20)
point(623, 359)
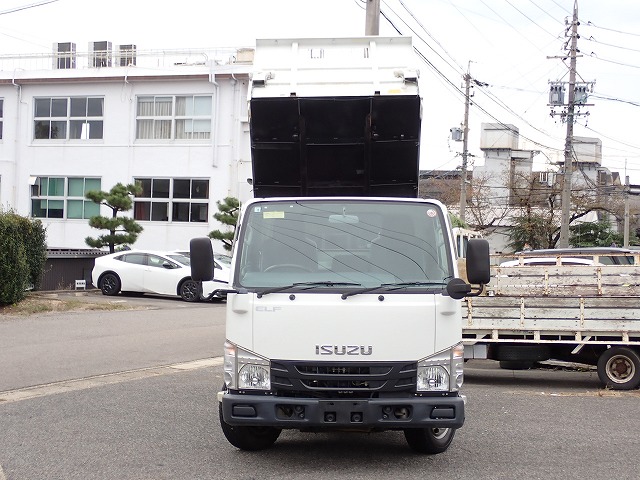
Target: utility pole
point(577, 98)
point(568, 145)
point(465, 146)
point(626, 212)
point(372, 21)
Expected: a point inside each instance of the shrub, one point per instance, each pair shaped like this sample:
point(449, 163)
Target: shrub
point(14, 270)
point(22, 255)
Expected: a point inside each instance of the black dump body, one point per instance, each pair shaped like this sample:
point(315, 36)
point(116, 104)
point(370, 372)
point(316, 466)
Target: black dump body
point(335, 146)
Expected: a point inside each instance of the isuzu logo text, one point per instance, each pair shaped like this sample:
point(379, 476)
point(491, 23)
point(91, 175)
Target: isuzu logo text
point(343, 350)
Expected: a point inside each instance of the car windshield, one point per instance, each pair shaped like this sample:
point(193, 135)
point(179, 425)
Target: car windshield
point(333, 242)
point(223, 259)
point(182, 259)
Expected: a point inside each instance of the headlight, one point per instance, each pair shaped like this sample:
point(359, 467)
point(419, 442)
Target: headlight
point(244, 369)
point(433, 378)
point(441, 372)
point(254, 376)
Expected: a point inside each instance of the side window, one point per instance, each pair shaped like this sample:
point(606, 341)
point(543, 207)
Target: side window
point(159, 262)
point(136, 258)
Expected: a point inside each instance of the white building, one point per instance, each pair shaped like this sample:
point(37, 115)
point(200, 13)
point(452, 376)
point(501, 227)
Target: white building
point(505, 165)
point(175, 121)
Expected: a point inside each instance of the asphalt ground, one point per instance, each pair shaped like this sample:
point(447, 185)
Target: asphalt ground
point(131, 394)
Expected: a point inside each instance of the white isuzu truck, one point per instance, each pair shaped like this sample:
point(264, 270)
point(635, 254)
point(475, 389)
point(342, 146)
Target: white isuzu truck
point(344, 308)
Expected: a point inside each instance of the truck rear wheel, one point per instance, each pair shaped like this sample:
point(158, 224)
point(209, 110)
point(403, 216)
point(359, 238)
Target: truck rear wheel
point(517, 364)
point(529, 353)
point(248, 438)
point(619, 368)
point(429, 440)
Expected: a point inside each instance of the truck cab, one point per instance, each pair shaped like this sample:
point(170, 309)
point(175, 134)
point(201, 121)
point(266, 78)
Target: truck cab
point(344, 315)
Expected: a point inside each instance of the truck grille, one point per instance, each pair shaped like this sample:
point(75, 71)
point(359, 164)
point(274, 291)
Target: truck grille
point(291, 378)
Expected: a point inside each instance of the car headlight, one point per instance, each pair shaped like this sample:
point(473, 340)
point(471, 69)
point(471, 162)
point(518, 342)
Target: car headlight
point(245, 370)
point(441, 372)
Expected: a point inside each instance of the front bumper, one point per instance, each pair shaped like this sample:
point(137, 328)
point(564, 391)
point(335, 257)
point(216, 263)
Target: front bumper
point(307, 413)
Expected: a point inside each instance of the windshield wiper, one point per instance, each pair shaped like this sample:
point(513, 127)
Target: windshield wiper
point(308, 285)
point(391, 286)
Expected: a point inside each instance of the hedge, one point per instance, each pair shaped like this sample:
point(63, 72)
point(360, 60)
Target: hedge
point(23, 253)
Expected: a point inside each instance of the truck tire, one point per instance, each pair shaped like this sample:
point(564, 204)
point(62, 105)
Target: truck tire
point(517, 364)
point(248, 438)
point(429, 440)
point(619, 368)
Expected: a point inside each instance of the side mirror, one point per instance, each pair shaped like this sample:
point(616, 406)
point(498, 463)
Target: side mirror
point(458, 288)
point(201, 253)
point(478, 261)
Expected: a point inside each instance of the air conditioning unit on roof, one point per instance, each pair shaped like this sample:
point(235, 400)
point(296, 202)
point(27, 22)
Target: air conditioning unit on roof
point(100, 54)
point(64, 55)
point(127, 55)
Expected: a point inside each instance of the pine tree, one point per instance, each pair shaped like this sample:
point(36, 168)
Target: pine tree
point(122, 230)
point(228, 211)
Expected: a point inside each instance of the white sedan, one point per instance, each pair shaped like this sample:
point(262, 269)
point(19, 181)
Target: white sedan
point(149, 272)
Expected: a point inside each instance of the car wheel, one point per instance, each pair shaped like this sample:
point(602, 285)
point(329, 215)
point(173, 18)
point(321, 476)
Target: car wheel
point(110, 284)
point(429, 440)
point(190, 291)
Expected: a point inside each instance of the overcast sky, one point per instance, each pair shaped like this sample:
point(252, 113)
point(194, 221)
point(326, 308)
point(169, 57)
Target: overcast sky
point(503, 43)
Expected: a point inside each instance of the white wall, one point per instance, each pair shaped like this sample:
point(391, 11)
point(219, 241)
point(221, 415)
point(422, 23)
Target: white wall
point(119, 157)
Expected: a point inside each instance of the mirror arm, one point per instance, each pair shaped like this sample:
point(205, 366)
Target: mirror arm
point(224, 292)
point(476, 291)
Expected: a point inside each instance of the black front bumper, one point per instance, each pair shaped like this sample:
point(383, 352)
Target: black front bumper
point(376, 413)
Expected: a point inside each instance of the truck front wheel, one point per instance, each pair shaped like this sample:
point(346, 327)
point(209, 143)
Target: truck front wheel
point(429, 440)
point(248, 438)
point(619, 368)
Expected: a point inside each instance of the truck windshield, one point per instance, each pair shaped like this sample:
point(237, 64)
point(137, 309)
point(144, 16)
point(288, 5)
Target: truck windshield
point(342, 244)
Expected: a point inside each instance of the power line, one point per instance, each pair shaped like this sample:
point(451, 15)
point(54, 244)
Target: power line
point(26, 7)
point(590, 23)
point(459, 91)
point(430, 36)
point(489, 95)
point(454, 67)
point(545, 12)
point(531, 20)
point(613, 99)
point(594, 55)
point(506, 22)
point(591, 39)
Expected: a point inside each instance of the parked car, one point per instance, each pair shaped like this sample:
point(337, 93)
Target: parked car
point(221, 266)
point(143, 271)
point(603, 255)
point(549, 261)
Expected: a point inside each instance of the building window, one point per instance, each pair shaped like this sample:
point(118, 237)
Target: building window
point(1, 118)
point(64, 197)
point(174, 117)
point(176, 200)
point(73, 118)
